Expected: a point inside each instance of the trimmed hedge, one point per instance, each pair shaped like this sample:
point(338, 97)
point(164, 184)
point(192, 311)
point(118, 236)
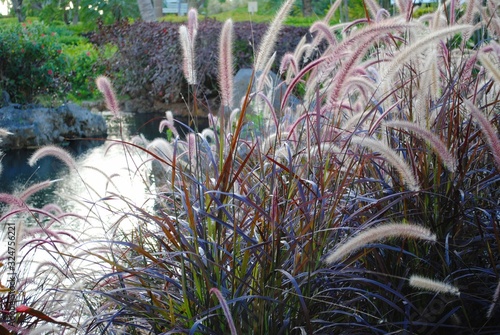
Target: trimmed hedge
point(148, 63)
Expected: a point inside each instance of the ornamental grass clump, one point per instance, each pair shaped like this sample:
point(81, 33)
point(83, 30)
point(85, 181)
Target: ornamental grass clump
point(310, 216)
point(38, 272)
point(284, 212)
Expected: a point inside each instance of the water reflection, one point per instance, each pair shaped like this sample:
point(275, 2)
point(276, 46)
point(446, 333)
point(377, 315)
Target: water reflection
point(17, 174)
point(90, 183)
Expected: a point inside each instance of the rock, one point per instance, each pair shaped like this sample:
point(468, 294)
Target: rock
point(240, 87)
point(35, 126)
point(5, 100)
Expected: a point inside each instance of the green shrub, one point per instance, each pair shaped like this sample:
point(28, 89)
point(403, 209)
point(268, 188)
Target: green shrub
point(32, 62)
point(85, 67)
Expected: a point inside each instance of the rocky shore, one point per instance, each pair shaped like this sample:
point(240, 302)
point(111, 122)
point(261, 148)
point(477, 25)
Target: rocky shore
point(34, 126)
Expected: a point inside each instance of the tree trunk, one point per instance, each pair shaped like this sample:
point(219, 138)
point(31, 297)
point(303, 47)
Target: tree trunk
point(158, 8)
point(147, 11)
point(18, 5)
point(76, 11)
point(307, 8)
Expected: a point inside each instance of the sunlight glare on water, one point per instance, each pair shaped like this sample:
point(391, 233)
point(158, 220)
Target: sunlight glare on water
point(111, 179)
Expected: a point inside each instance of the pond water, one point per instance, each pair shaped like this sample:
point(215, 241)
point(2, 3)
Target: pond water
point(17, 174)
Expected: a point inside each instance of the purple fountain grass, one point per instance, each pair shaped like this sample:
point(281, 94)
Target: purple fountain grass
point(488, 131)
point(361, 40)
point(288, 64)
point(452, 12)
point(169, 123)
point(391, 157)
point(53, 209)
point(226, 64)
point(263, 79)
point(405, 7)
point(57, 152)
point(494, 302)
point(12, 200)
point(163, 148)
point(225, 309)
point(415, 49)
point(104, 85)
point(192, 148)
point(24, 195)
point(493, 16)
point(326, 21)
point(373, 8)
point(432, 139)
point(381, 232)
point(188, 61)
point(430, 86)
point(269, 40)
point(491, 67)
point(324, 31)
point(4, 132)
point(255, 215)
point(470, 9)
point(192, 24)
point(432, 285)
point(466, 75)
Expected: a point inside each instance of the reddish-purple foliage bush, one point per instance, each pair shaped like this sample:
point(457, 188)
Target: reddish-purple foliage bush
point(149, 58)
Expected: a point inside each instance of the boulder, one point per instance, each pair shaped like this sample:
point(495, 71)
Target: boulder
point(35, 126)
point(240, 87)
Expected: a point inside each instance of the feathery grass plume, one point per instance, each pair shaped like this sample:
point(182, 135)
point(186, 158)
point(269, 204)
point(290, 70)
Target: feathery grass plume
point(453, 4)
point(188, 64)
point(288, 64)
point(433, 285)
point(494, 20)
point(430, 83)
point(264, 78)
point(373, 7)
point(169, 123)
point(191, 148)
point(192, 24)
point(415, 49)
point(391, 157)
point(326, 20)
point(432, 139)
point(36, 188)
point(226, 64)
point(491, 68)
point(494, 302)
point(488, 131)
point(467, 18)
point(225, 309)
point(57, 152)
point(269, 40)
point(12, 200)
point(105, 87)
point(320, 26)
point(163, 148)
point(379, 233)
point(361, 41)
point(4, 132)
